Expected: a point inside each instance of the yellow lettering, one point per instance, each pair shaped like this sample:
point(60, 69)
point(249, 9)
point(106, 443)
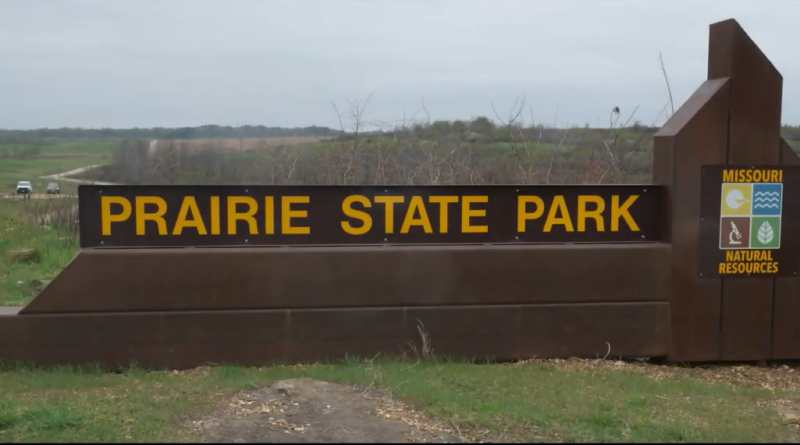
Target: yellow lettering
point(157, 217)
point(366, 220)
point(618, 212)
point(189, 205)
point(389, 202)
point(287, 214)
point(467, 213)
point(721, 268)
point(269, 215)
point(234, 215)
point(596, 214)
point(728, 176)
point(522, 211)
point(557, 206)
point(215, 215)
point(416, 205)
point(443, 201)
point(106, 217)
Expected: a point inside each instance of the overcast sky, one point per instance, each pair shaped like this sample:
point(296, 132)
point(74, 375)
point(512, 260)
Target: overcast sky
point(115, 63)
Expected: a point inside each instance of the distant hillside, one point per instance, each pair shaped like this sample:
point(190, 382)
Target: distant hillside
point(202, 132)
point(477, 128)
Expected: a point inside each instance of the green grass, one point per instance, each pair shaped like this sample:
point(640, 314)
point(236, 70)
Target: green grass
point(17, 231)
point(525, 402)
point(52, 158)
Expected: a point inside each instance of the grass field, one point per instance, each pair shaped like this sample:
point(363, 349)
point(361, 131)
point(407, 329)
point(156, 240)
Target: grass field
point(597, 401)
point(52, 158)
point(18, 231)
point(245, 144)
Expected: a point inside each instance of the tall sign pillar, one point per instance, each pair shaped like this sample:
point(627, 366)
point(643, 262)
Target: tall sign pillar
point(733, 120)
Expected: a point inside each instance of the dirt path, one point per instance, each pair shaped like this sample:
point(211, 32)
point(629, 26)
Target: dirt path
point(305, 411)
point(65, 176)
point(60, 177)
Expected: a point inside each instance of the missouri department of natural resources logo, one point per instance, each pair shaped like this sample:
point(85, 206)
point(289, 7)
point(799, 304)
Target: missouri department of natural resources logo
point(750, 217)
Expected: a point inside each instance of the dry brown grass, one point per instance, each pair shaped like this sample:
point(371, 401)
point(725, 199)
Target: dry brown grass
point(245, 144)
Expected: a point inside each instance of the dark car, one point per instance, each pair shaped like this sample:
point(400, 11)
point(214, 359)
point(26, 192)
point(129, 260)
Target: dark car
point(53, 188)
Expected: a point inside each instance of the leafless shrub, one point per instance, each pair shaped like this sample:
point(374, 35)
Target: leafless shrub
point(57, 213)
point(413, 151)
point(425, 340)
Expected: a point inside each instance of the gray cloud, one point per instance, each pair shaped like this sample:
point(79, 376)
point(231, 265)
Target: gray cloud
point(281, 63)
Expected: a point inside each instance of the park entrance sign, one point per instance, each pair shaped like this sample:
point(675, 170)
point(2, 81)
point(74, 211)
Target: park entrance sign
point(700, 265)
point(749, 221)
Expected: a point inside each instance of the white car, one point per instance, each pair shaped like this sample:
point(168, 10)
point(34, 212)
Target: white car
point(24, 188)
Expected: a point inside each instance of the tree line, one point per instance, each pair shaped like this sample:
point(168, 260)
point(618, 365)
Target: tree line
point(202, 132)
point(479, 127)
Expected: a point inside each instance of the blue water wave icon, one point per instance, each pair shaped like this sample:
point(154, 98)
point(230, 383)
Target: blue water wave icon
point(767, 199)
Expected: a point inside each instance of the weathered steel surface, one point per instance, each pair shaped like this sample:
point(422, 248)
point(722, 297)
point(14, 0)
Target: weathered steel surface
point(786, 308)
point(733, 118)
point(694, 136)
point(112, 280)
point(325, 215)
point(186, 339)
point(753, 138)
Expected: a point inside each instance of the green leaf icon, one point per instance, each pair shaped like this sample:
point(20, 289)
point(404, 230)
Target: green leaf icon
point(765, 233)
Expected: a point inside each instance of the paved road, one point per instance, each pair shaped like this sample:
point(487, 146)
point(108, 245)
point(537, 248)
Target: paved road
point(36, 196)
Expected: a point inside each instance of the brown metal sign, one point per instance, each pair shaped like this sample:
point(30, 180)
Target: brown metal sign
point(182, 216)
point(747, 226)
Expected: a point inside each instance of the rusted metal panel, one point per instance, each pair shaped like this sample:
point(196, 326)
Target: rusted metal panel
point(695, 135)
point(786, 309)
point(732, 241)
point(113, 280)
point(336, 215)
point(756, 95)
point(754, 139)
point(180, 340)
point(734, 118)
